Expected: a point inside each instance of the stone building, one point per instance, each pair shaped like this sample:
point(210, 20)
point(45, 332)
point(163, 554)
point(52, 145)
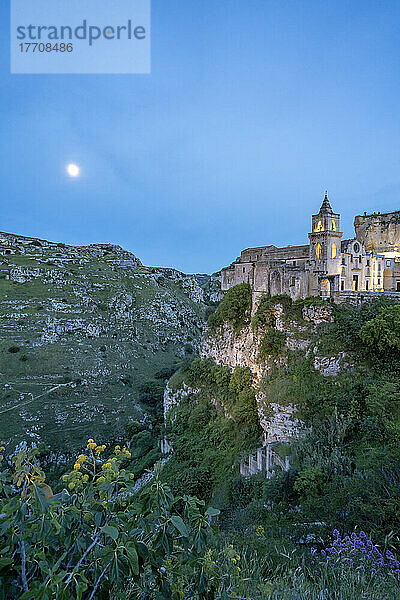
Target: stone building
point(329, 265)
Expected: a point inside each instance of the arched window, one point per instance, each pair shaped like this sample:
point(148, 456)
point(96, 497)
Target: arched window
point(333, 250)
point(333, 226)
point(319, 226)
point(318, 251)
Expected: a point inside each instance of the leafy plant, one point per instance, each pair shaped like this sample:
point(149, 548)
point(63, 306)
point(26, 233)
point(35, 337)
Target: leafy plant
point(95, 538)
point(382, 333)
point(234, 308)
point(271, 343)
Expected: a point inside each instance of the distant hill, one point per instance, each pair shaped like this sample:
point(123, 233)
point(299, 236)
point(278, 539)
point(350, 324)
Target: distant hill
point(82, 331)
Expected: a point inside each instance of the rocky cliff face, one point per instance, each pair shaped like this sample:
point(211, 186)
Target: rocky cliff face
point(241, 349)
point(379, 232)
point(82, 330)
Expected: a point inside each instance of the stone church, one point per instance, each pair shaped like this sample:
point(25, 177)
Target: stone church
point(328, 266)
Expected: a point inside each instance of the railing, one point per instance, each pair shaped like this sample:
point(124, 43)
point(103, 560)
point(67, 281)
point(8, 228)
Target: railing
point(360, 296)
point(263, 460)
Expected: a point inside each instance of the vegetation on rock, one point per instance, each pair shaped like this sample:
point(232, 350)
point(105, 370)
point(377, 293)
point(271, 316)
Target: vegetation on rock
point(234, 308)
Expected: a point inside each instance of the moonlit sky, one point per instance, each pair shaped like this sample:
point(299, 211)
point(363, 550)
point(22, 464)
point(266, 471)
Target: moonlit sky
point(252, 110)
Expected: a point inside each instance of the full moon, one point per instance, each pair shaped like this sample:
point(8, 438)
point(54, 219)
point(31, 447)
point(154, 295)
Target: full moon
point(73, 170)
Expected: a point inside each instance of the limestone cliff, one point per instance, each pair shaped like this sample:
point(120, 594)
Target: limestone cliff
point(379, 232)
point(241, 348)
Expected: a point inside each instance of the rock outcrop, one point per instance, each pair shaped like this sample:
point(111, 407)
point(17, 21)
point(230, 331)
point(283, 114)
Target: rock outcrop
point(241, 349)
point(379, 232)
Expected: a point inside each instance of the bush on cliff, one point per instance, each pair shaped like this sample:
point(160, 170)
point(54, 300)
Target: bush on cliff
point(234, 308)
point(264, 316)
point(382, 333)
point(271, 343)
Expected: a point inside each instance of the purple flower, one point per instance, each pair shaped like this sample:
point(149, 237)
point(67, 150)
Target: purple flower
point(356, 552)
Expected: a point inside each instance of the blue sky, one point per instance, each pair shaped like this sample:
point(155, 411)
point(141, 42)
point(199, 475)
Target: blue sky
point(253, 109)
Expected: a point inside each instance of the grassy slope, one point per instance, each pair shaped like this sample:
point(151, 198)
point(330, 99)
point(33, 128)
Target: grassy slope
point(97, 326)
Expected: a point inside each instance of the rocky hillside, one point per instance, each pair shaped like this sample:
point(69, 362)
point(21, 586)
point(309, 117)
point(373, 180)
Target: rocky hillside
point(83, 331)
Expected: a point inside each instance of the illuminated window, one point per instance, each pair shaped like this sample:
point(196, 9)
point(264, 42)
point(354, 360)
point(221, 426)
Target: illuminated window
point(319, 226)
point(333, 250)
point(333, 226)
point(318, 251)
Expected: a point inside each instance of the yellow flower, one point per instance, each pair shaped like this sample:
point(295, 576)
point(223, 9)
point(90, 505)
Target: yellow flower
point(71, 485)
point(132, 476)
point(77, 466)
point(82, 458)
point(90, 441)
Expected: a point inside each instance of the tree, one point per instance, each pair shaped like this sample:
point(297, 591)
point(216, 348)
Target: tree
point(382, 333)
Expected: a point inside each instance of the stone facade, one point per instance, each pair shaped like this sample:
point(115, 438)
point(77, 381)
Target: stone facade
point(327, 266)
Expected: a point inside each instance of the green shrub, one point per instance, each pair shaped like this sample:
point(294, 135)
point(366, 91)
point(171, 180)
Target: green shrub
point(264, 316)
point(188, 348)
point(309, 482)
point(271, 343)
point(241, 380)
point(151, 393)
point(382, 333)
point(166, 372)
point(234, 308)
point(244, 411)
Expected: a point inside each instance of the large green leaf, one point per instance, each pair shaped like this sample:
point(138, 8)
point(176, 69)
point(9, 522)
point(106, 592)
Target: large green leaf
point(133, 557)
point(180, 525)
point(111, 531)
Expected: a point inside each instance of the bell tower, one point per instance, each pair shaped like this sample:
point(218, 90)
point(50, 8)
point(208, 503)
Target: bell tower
point(325, 248)
point(325, 235)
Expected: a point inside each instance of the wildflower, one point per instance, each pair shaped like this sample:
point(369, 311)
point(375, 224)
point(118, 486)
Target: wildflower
point(77, 466)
